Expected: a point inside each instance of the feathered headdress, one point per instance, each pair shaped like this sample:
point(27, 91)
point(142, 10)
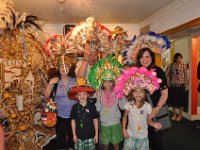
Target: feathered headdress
point(157, 43)
point(11, 19)
point(136, 77)
point(106, 69)
point(92, 32)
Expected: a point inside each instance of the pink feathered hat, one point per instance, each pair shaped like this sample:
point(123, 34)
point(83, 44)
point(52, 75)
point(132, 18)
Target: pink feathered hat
point(136, 77)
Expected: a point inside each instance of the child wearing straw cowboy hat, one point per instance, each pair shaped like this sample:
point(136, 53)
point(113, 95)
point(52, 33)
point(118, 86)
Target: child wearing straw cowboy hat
point(84, 117)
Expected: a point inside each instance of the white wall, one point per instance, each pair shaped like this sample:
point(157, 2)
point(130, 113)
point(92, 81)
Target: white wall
point(53, 29)
point(132, 29)
point(175, 14)
point(183, 46)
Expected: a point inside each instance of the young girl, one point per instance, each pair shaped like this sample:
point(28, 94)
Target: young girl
point(107, 102)
point(108, 106)
point(135, 82)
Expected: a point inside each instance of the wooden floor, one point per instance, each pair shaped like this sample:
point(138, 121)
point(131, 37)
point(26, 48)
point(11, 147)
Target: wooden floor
point(182, 136)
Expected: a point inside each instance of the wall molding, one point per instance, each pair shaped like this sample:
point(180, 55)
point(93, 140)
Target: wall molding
point(190, 24)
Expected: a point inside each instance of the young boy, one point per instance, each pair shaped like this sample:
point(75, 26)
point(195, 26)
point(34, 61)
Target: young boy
point(84, 118)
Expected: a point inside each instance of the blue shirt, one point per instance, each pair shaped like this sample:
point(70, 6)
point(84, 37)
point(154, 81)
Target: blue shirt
point(63, 103)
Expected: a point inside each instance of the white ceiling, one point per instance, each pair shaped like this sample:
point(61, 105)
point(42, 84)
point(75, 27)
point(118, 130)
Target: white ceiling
point(105, 11)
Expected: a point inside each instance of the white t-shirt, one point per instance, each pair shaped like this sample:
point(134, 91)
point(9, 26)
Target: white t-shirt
point(137, 120)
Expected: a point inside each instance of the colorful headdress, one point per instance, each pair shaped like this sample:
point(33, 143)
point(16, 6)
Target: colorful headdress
point(136, 77)
point(80, 87)
point(90, 30)
point(119, 30)
point(157, 43)
point(106, 69)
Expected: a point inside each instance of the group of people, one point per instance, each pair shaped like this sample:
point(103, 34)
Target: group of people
point(117, 94)
point(77, 124)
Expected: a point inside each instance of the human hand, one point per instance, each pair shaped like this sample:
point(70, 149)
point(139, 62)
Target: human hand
point(125, 134)
point(87, 54)
point(125, 91)
point(53, 80)
point(154, 112)
point(96, 139)
point(157, 125)
point(98, 93)
point(75, 139)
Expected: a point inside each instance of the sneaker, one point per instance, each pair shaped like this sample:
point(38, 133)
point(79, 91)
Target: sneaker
point(198, 127)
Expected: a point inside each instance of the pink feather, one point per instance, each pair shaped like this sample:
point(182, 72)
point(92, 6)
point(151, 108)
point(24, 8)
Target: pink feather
point(139, 81)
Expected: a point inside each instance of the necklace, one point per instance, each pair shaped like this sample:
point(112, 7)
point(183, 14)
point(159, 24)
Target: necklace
point(108, 99)
point(81, 117)
point(65, 86)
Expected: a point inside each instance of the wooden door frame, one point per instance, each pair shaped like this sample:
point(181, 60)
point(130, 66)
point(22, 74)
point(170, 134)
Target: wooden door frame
point(194, 92)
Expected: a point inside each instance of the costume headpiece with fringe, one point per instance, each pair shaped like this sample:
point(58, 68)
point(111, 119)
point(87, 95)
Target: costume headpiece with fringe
point(93, 32)
point(136, 77)
point(157, 43)
point(106, 69)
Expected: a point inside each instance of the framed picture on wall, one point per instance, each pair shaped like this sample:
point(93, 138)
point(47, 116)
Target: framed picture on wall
point(67, 28)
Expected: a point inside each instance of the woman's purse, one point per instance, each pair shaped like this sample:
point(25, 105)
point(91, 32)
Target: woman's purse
point(162, 117)
point(49, 116)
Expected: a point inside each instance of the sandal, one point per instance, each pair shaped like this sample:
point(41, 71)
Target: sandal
point(174, 117)
point(179, 118)
point(198, 127)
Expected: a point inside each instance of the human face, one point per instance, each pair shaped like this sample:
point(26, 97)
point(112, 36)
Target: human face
point(179, 59)
point(108, 85)
point(138, 94)
point(64, 70)
point(82, 97)
point(93, 57)
point(146, 59)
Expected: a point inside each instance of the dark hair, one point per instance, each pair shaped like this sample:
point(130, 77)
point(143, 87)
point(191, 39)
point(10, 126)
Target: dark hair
point(53, 72)
point(131, 98)
point(140, 54)
point(72, 71)
point(176, 56)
